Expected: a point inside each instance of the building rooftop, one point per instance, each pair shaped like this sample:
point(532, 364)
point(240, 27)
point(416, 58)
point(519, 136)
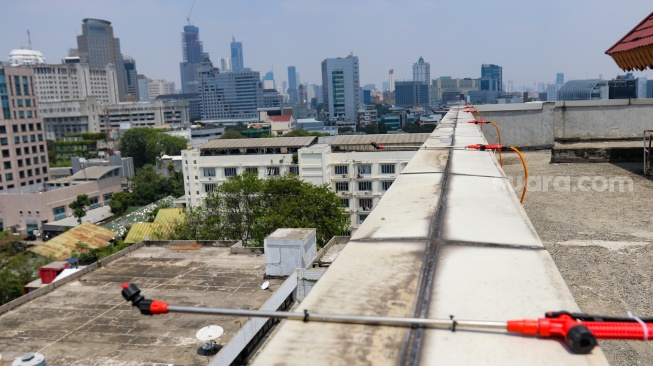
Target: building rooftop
point(60, 246)
point(283, 118)
point(87, 322)
point(95, 172)
point(235, 146)
point(633, 51)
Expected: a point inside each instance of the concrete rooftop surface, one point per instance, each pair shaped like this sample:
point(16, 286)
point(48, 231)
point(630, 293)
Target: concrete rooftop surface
point(87, 322)
point(600, 239)
point(448, 238)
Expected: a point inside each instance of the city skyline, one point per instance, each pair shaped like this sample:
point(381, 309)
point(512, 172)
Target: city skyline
point(531, 41)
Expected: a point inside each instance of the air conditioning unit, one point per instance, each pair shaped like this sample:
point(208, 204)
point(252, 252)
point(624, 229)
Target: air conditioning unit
point(344, 175)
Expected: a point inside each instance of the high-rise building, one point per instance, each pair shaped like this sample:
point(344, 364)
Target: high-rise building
point(292, 84)
point(341, 87)
point(231, 95)
point(192, 56)
point(224, 64)
point(422, 71)
point(411, 94)
point(98, 47)
point(268, 81)
point(560, 79)
point(76, 81)
point(391, 80)
point(237, 63)
point(491, 77)
point(142, 88)
point(132, 78)
point(22, 133)
point(159, 87)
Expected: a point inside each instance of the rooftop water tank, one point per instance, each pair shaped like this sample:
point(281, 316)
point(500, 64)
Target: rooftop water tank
point(29, 359)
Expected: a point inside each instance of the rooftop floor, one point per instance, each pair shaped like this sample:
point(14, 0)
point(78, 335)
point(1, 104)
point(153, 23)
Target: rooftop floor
point(86, 322)
point(600, 240)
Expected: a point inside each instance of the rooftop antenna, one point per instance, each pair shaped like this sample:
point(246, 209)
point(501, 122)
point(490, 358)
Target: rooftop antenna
point(189, 13)
point(29, 39)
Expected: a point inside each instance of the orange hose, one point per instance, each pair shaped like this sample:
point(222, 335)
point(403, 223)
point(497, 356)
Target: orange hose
point(525, 172)
point(499, 134)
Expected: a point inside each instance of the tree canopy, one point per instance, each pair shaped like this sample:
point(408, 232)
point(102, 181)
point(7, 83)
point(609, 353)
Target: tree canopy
point(145, 145)
point(149, 186)
point(249, 208)
point(79, 206)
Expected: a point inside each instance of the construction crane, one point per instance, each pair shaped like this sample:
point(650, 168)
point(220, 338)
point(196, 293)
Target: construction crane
point(189, 13)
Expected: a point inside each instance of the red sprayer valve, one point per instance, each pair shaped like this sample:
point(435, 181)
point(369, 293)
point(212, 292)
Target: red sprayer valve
point(376, 146)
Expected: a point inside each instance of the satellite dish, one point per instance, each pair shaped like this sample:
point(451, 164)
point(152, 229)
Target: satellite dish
point(265, 285)
point(209, 333)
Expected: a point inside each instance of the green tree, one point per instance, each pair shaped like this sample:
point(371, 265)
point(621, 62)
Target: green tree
point(248, 208)
point(149, 186)
point(145, 145)
point(291, 202)
point(232, 133)
point(120, 202)
point(79, 206)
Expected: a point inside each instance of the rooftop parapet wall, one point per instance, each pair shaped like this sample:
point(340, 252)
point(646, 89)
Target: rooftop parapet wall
point(448, 237)
point(538, 125)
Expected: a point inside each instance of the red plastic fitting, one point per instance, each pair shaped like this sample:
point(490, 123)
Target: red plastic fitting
point(479, 121)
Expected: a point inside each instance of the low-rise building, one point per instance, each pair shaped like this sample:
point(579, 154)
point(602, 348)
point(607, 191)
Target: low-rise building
point(28, 208)
point(349, 164)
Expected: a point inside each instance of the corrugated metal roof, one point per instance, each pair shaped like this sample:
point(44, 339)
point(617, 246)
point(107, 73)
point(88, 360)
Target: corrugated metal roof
point(406, 138)
point(59, 247)
point(93, 172)
point(280, 118)
point(154, 230)
point(259, 143)
point(170, 215)
point(635, 49)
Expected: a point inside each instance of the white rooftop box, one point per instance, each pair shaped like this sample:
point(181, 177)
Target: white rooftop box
point(288, 249)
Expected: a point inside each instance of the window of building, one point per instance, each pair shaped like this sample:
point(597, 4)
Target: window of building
point(345, 202)
point(19, 151)
point(43, 158)
point(32, 138)
point(365, 169)
point(7, 164)
point(45, 171)
point(364, 186)
point(365, 203)
point(209, 172)
point(230, 172)
point(3, 129)
point(37, 171)
point(294, 170)
point(29, 172)
point(251, 169)
point(4, 141)
point(385, 185)
point(387, 168)
point(107, 198)
point(16, 140)
point(341, 169)
point(5, 153)
point(14, 128)
point(59, 212)
point(31, 126)
point(273, 170)
point(94, 202)
point(9, 176)
point(210, 187)
point(25, 138)
point(361, 218)
point(342, 186)
point(20, 163)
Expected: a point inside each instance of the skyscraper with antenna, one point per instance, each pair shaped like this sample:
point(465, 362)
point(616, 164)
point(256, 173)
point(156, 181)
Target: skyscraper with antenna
point(192, 56)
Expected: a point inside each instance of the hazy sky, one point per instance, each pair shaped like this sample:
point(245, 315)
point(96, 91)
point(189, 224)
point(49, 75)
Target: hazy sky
point(532, 40)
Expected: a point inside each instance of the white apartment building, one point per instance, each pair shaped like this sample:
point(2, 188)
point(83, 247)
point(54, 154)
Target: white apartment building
point(349, 164)
point(75, 82)
point(159, 87)
point(70, 116)
point(150, 114)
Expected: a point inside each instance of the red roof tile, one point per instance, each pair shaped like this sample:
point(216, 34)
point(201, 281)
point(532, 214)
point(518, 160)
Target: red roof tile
point(640, 36)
